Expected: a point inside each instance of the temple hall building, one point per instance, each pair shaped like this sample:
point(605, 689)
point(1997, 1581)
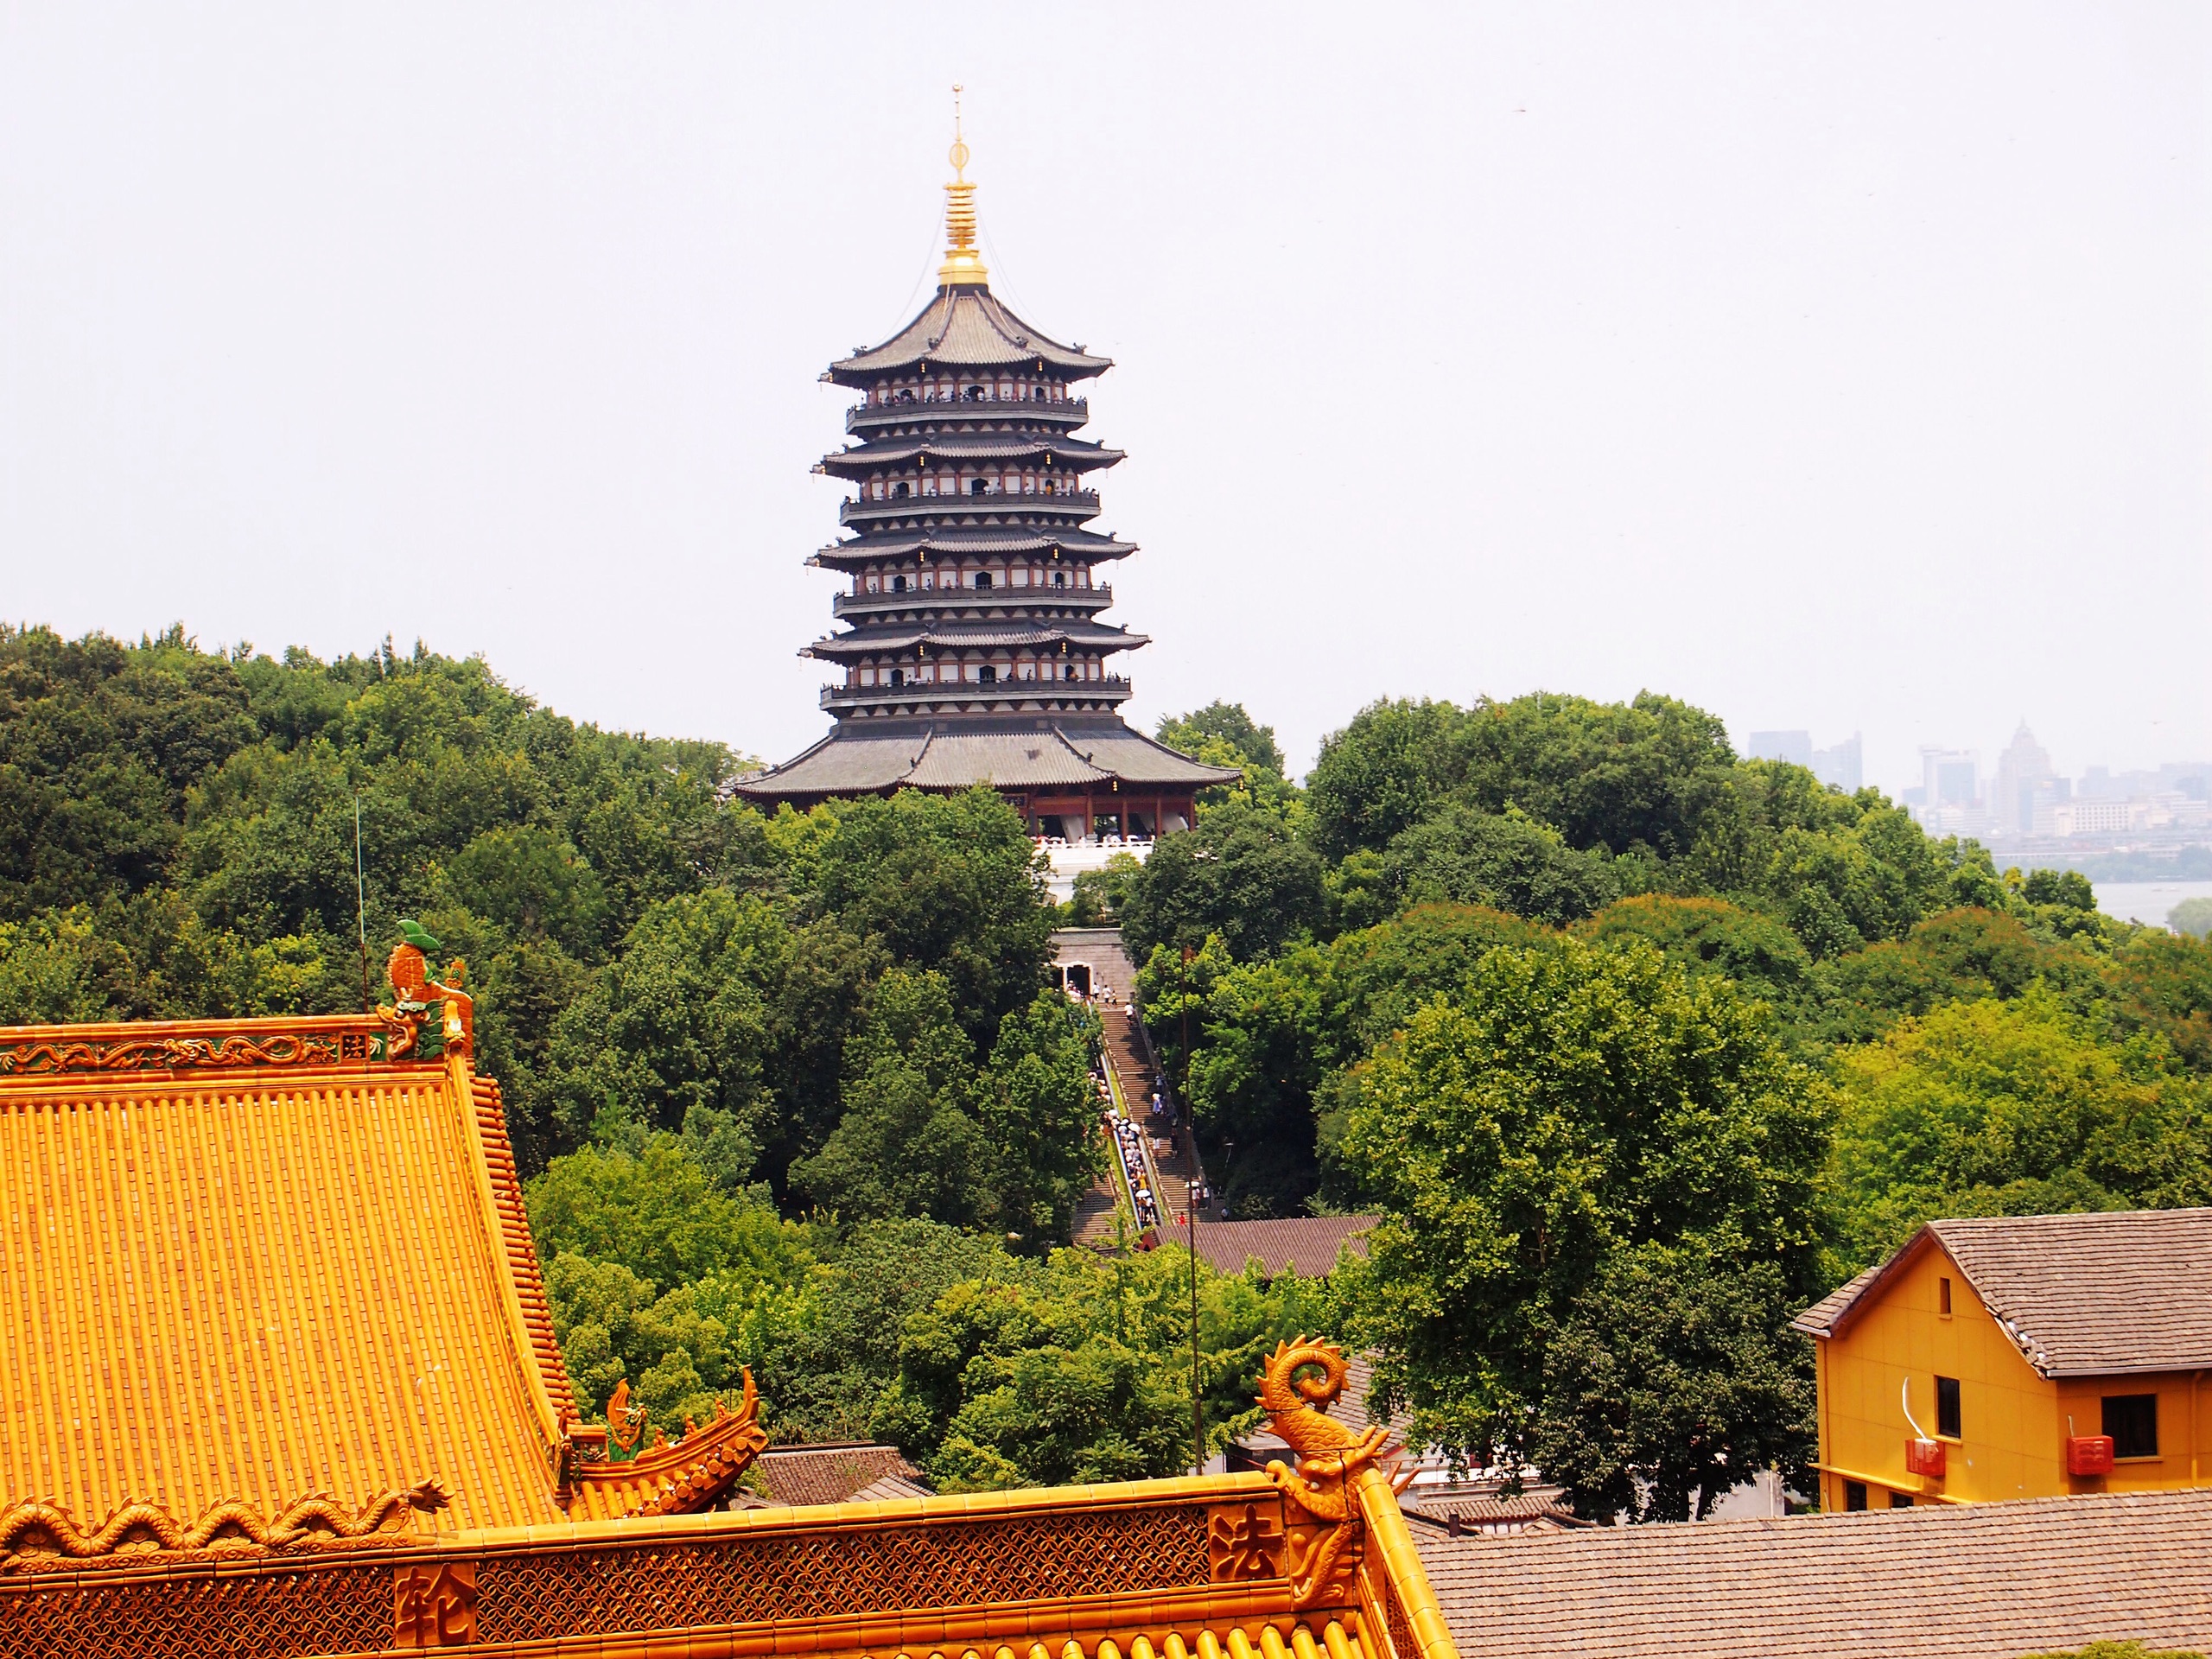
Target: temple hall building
point(282, 1380)
point(972, 649)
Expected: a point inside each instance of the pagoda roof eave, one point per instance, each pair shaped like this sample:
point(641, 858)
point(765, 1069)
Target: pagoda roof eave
point(974, 636)
point(1075, 454)
point(1077, 546)
point(964, 326)
point(1037, 752)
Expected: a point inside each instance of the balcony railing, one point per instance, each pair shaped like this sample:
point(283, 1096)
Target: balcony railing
point(1096, 598)
point(915, 692)
point(1072, 411)
point(1001, 501)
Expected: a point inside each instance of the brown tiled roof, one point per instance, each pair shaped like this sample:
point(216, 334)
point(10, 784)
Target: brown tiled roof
point(1967, 1581)
point(1480, 1503)
point(835, 1474)
point(1307, 1244)
point(2087, 1295)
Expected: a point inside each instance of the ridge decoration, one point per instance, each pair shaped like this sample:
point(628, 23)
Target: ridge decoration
point(426, 1019)
point(1325, 1529)
point(34, 1528)
point(179, 1047)
point(679, 1477)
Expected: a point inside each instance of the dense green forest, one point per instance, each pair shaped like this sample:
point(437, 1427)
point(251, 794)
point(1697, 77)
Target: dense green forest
point(1635, 1046)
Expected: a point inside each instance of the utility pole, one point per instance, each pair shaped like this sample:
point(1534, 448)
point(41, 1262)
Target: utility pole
point(361, 900)
point(1191, 1227)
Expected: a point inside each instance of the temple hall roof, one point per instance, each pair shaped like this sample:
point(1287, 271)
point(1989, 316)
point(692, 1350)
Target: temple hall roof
point(965, 328)
point(256, 1260)
point(866, 757)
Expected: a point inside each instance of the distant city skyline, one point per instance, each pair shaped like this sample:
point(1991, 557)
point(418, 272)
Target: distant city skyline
point(1770, 743)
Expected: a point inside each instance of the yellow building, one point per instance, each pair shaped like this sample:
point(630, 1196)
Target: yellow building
point(280, 1381)
point(2015, 1356)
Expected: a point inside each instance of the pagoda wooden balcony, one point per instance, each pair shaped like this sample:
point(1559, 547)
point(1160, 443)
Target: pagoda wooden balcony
point(937, 599)
point(1068, 411)
point(922, 694)
point(1002, 504)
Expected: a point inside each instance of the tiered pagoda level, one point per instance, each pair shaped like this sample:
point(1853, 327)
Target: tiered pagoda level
point(973, 651)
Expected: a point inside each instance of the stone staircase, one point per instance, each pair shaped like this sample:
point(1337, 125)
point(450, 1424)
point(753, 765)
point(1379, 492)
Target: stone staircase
point(1129, 1056)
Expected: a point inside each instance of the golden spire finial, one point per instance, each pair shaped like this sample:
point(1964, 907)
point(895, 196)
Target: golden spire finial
point(963, 266)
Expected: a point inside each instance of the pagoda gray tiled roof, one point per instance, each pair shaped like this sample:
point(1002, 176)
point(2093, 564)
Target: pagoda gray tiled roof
point(1079, 454)
point(958, 635)
point(2081, 1296)
point(965, 328)
point(978, 538)
point(866, 757)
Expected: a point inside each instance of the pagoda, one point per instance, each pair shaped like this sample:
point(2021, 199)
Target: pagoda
point(972, 651)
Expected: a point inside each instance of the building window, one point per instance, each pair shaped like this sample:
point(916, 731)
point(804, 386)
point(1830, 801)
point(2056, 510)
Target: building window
point(1900, 1500)
point(897, 676)
point(1855, 1495)
point(2132, 1420)
point(988, 674)
point(1943, 1297)
point(1947, 1408)
point(982, 578)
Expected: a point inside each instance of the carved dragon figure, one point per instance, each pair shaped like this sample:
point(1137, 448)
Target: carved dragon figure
point(1329, 1455)
point(51, 1529)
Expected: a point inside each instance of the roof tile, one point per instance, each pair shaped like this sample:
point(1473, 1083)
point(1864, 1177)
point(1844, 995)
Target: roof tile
point(2083, 1295)
point(1969, 1581)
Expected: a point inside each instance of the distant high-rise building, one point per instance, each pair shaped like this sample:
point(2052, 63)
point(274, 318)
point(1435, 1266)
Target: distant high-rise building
point(1840, 766)
point(1951, 778)
point(1795, 747)
point(2022, 772)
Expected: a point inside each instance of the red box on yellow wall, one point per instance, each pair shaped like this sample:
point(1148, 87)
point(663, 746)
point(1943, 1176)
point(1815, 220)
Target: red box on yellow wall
point(1924, 1458)
point(2089, 1454)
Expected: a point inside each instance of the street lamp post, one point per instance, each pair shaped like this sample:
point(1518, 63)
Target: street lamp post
point(1191, 1228)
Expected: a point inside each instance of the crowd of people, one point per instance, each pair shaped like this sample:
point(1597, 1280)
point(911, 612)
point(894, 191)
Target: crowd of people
point(1129, 1142)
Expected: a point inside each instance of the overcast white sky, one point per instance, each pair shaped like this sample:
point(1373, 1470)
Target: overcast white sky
point(1842, 367)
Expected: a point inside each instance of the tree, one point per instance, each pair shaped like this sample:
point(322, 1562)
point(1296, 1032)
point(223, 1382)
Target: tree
point(908, 1143)
point(654, 1211)
point(1224, 734)
point(1506, 860)
point(1038, 1110)
point(948, 884)
point(2013, 1108)
point(1241, 874)
point(1665, 1385)
point(679, 1024)
point(1270, 1038)
point(2068, 888)
point(1712, 936)
point(1571, 1102)
point(1956, 956)
point(1384, 772)
point(2192, 918)
point(1078, 1367)
point(1228, 724)
point(2163, 982)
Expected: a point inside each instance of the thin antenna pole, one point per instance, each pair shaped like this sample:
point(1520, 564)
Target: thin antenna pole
point(361, 900)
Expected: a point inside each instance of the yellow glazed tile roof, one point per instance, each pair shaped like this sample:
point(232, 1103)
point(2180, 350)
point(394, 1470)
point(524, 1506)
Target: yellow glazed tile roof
point(267, 1281)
